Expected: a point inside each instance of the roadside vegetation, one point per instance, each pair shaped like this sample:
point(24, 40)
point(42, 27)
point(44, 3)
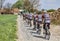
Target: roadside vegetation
point(8, 27)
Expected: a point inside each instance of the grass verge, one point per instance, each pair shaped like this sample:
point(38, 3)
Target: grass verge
point(8, 27)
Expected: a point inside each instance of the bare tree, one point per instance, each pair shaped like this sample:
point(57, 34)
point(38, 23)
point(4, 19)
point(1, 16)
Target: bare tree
point(8, 5)
point(32, 4)
point(35, 3)
point(1, 3)
point(26, 5)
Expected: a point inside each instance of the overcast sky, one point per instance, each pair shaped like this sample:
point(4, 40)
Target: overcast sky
point(46, 4)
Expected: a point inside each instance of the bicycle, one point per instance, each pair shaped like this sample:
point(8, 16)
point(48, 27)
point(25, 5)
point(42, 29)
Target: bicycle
point(39, 28)
point(47, 32)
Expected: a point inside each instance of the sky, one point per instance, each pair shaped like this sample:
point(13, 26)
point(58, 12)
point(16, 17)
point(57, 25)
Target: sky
point(9, 1)
point(50, 4)
point(46, 4)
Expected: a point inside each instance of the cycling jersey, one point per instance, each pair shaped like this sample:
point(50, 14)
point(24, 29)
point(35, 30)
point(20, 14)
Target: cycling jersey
point(40, 17)
point(25, 15)
point(35, 17)
point(46, 18)
point(30, 16)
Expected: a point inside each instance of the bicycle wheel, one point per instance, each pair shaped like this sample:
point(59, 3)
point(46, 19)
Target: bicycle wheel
point(47, 35)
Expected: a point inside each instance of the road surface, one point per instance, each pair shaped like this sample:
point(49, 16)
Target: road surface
point(24, 32)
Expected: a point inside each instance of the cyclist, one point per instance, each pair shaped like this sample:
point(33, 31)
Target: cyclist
point(46, 25)
point(35, 18)
point(24, 16)
point(30, 19)
point(39, 22)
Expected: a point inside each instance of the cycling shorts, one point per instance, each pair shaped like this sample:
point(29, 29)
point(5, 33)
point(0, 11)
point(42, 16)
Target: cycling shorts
point(48, 25)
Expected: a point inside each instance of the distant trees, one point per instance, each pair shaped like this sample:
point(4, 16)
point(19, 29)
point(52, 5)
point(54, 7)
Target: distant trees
point(18, 4)
point(50, 10)
point(58, 9)
point(29, 5)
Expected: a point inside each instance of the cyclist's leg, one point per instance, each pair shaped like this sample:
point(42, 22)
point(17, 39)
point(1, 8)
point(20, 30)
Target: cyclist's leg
point(34, 23)
point(26, 20)
point(48, 31)
point(38, 27)
point(47, 35)
point(30, 23)
point(23, 17)
point(48, 25)
point(44, 30)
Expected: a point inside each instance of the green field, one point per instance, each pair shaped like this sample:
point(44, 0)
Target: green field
point(8, 27)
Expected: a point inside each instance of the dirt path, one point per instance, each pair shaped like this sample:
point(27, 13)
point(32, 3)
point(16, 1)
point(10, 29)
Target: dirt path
point(24, 32)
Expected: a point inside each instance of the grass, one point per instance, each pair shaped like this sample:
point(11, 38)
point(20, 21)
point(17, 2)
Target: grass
point(55, 22)
point(8, 27)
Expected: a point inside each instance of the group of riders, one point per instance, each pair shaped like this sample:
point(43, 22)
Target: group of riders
point(38, 19)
